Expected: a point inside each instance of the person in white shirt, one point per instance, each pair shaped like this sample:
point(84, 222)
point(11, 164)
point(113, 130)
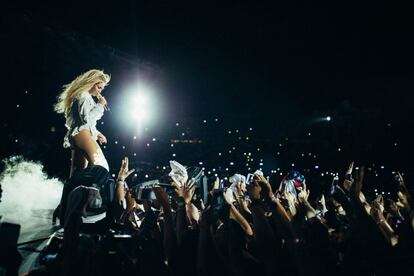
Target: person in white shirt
point(81, 113)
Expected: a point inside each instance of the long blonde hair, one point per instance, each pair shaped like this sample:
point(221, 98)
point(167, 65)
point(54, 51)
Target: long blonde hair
point(73, 90)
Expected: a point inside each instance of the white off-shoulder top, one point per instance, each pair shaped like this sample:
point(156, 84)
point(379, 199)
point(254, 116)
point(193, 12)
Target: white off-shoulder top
point(83, 114)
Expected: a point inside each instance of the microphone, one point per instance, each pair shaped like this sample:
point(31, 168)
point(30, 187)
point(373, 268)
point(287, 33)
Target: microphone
point(106, 105)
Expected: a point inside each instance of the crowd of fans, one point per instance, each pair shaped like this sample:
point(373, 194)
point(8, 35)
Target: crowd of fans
point(247, 226)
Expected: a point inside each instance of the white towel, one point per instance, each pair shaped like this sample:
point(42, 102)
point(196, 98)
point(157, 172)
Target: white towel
point(178, 172)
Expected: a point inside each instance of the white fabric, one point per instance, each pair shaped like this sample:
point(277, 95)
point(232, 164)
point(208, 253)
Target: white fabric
point(178, 171)
point(235, 180)
point(83, 114)
point(258, 172)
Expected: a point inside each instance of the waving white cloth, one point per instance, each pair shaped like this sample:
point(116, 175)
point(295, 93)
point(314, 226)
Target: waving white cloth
point(178, 172)
point(235, 180)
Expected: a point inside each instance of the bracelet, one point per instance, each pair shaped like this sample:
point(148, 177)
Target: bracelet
point(123, 181)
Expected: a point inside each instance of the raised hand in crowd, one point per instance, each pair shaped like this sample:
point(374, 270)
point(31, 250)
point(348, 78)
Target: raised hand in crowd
point(348, 180)
point(184, 189)
point(246, 228)
point(124, 172)
point(254, 190)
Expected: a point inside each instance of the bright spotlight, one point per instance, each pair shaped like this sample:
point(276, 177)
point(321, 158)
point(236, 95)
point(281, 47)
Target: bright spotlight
point(140, 100)
point(328, 118)
point(141, 107)
point(138, 114)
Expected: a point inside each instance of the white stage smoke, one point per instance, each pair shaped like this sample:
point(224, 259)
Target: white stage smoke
point(29, 194)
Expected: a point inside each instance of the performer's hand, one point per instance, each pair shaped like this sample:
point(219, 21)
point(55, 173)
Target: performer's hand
point(101, 139)
point(101, 99)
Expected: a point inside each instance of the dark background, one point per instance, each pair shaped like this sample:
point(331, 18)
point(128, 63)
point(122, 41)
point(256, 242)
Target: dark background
point(277, 67)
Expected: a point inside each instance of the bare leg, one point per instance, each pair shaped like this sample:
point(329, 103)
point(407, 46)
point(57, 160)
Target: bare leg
point(90, 150)
point(77, 160)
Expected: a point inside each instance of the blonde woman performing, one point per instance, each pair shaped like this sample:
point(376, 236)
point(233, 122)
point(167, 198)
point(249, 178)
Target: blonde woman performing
point(81, 112)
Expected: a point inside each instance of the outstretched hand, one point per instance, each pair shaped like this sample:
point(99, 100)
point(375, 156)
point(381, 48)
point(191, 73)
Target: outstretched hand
point(123, 171)
point(185, 189)
point(101, 139)
point(265, 185)
point(348, 181)
point(357, 185)
point(402, 188)
point(254, 190)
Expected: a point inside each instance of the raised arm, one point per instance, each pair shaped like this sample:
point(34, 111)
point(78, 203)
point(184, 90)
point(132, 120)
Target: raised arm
point(121, 187)
point(184, 194)
point(235, 214)
point(169, 242)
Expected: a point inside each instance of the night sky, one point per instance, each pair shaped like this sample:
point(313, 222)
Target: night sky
point(277, 67)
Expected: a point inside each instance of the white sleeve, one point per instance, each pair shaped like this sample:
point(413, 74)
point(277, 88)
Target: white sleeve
point(89, 111)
